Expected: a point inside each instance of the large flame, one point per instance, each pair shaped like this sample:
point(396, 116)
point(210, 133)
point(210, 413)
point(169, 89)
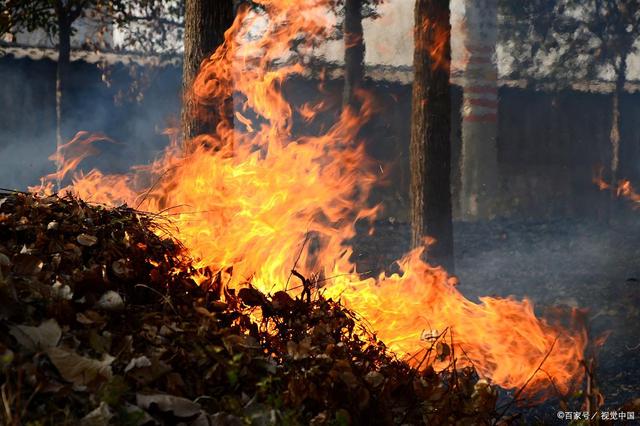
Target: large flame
point(257, 202)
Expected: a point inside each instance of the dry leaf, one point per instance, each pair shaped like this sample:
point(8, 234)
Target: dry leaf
point(110, 301)
point(27, 264)
point(98, 417)
point(180, 407)
point(80, 370)
point(87, 240)
point(44, 336)
point(139, 362)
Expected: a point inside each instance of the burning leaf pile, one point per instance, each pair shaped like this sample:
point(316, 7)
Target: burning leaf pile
point(252, 202)
point(103, 323)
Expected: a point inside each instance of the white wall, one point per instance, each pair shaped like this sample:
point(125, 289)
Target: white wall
point(85, 30)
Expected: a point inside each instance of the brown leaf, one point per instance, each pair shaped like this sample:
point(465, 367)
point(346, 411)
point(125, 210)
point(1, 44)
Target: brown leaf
point(80, 370)
point(252, 297)
point(44, 336)
point(27, 264)
point(98, 417)
point(374, 379)
point(121, 269)
point(87, 240)
point(282, 301)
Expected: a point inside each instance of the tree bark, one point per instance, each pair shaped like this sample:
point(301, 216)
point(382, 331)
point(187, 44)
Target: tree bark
point(354, 50)
point(62, 78)
point(614, 136)
point(479, 158)
point(205, 24)
point(430, 149)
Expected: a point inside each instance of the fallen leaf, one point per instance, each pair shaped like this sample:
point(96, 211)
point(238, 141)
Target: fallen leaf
point(4, 260)
point(180, 407)
point(139, 362)
point(120, 268)
point(110, 301)
point(87, 240)
point(44, 336)
point(282, 301)
point(374, 379)
point(27, 264)
point(80, 370)
point(61, 291)
point(98, 417)
point(252, 297)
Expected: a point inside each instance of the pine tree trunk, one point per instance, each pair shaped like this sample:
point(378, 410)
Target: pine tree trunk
point(205, 24)
point(354, 49)
point(62, 78)
point(430, 149)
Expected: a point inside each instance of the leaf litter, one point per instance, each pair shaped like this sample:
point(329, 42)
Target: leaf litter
point(102, 322)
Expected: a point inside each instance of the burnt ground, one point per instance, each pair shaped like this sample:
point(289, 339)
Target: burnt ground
point(561, 261)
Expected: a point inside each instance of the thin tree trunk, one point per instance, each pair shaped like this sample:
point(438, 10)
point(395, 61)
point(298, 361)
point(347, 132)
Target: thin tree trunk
point(354, 49)
point(614, 136)
point(205, 24)
point(430, 149)
point(614, 139)
point(62, 78)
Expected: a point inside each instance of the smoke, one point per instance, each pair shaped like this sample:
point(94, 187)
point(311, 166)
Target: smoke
point(27, 131)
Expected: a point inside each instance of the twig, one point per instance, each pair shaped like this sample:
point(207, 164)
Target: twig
point(165, 298)
point(306, 238)
point(15, 191)
point(553, 383)
point(152, 187)
point(327, 279)
point(305, 283)
point(632, 348)
point(468, 358)
point(6, 404)
point(417, 368)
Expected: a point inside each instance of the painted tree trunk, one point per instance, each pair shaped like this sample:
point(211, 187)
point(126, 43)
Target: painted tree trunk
point(62, 78)
point(430, 148)
point(479, 159)
point(354, 50)
point(205, 24)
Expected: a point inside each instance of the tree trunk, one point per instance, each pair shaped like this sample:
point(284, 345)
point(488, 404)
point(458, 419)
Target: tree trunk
point(205, 24)
point(62, 78)
point(354, 49)
point(614, 136)
point(479, 159)
point(430, 149)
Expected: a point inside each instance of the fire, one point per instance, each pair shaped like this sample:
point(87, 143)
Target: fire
point(435, 38)
point(624, 189)
point(258, 201)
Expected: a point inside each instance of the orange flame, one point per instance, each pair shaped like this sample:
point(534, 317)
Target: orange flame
point(271, 202)
point(624, 189)
point(435, 37)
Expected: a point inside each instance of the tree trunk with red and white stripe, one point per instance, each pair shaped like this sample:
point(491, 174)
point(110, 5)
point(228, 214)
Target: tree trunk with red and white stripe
point(479, 159)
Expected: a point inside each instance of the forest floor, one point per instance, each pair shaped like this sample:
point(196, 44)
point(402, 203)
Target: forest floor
point(562, 261)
